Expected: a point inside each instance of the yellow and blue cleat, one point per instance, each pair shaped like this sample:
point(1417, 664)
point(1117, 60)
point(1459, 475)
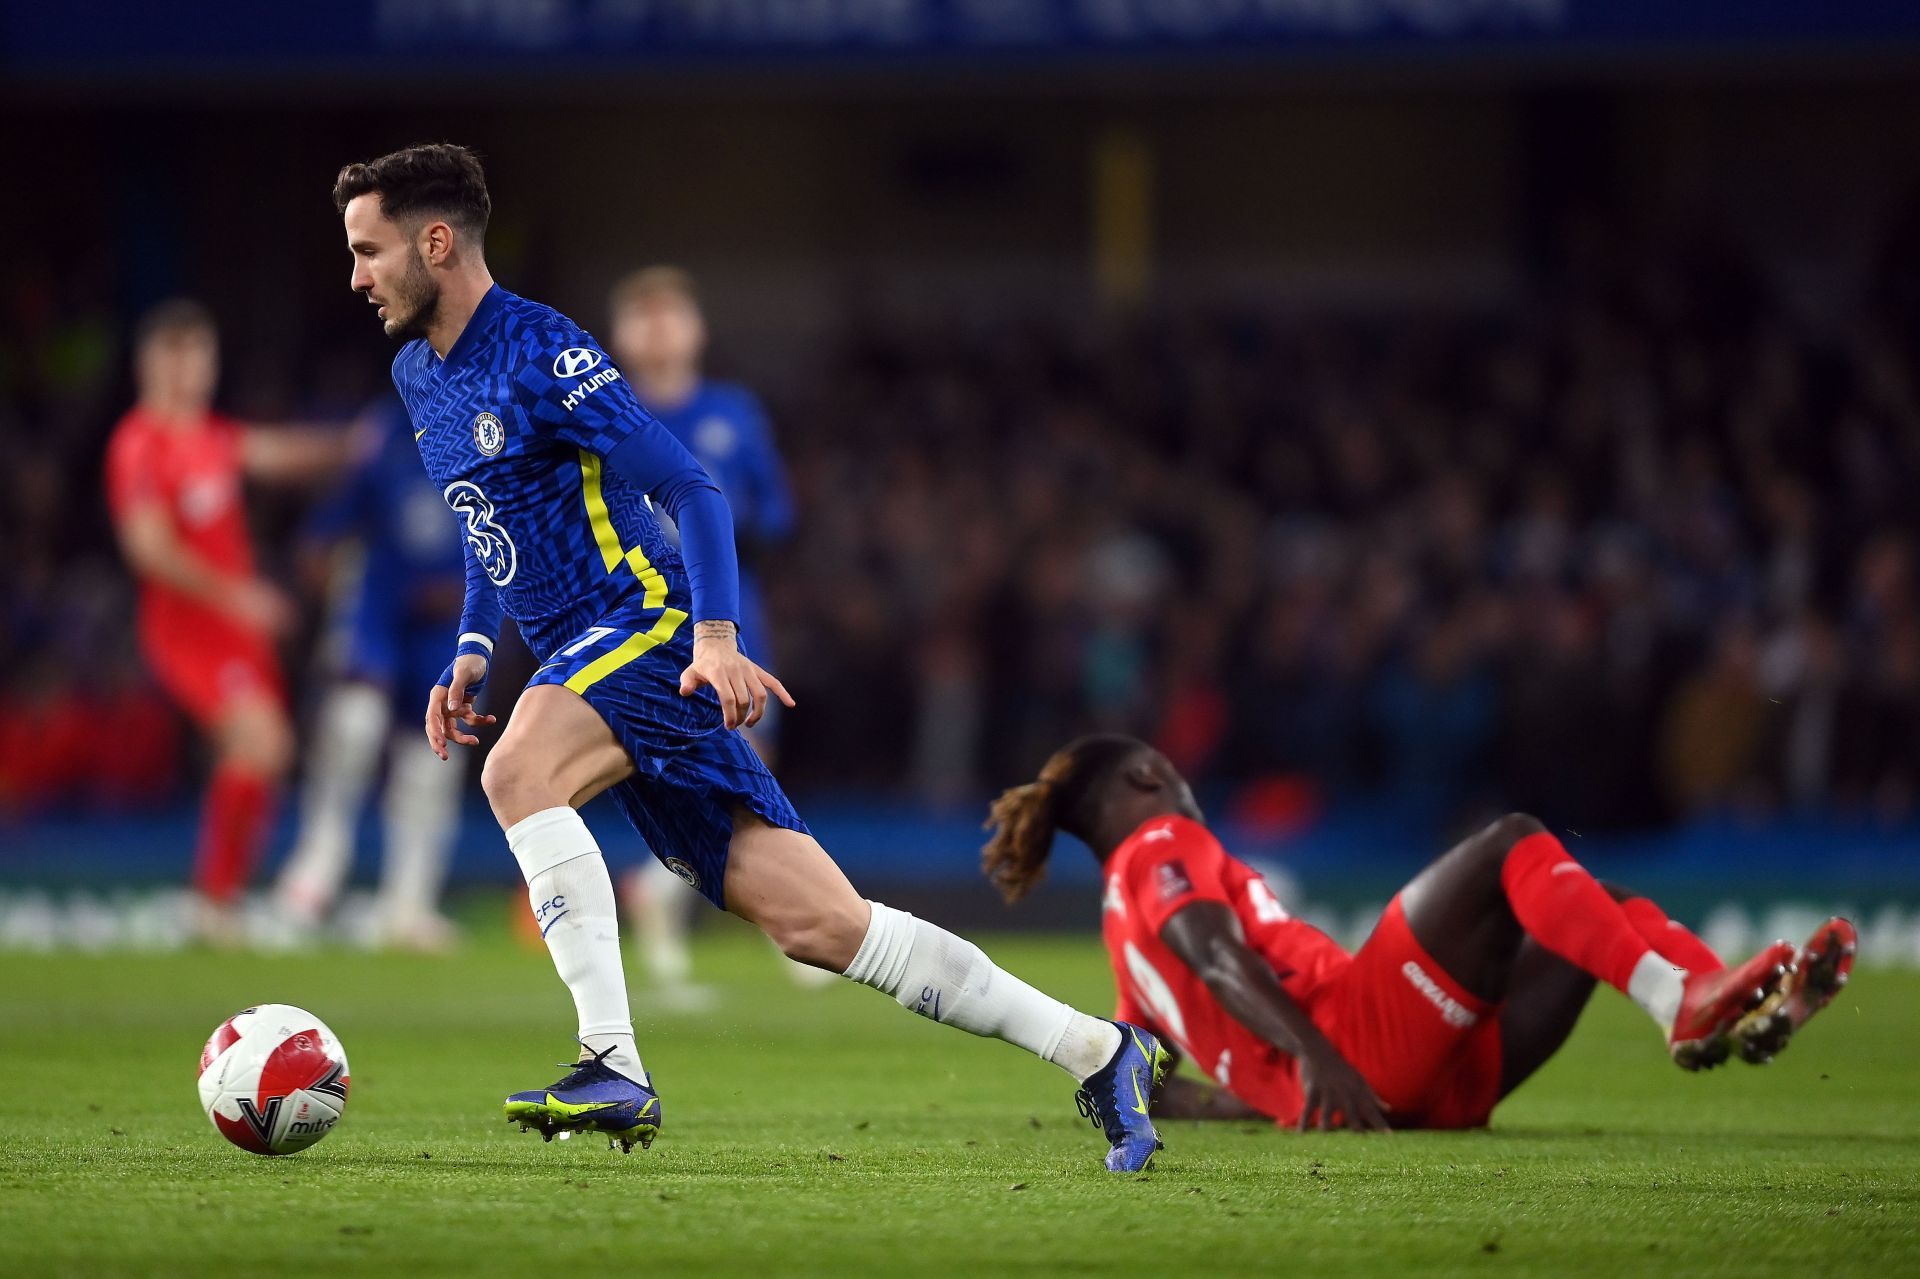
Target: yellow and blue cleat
point(1118, 1097)
point(594, 1097)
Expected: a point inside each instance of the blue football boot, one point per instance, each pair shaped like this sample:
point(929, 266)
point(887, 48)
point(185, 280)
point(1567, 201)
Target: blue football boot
point(1117, 1098)
point(594, 1097)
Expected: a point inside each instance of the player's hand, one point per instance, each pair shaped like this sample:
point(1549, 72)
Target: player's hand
point(1335, 1095)
point(260, 606)
point(743, 688)
point(449, 708)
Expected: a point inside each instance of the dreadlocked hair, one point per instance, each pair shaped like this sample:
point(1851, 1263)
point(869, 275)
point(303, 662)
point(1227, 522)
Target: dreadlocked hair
point(1066, 796)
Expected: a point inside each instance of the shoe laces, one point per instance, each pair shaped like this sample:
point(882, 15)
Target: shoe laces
point(585, 1071)
point(1101, 1116)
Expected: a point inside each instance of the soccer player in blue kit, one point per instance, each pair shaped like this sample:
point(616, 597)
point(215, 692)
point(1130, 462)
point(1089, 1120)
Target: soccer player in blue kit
point(659, 338)
point(552, 467)
point(390, 633)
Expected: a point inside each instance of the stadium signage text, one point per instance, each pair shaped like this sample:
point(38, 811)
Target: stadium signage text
point(41, 41)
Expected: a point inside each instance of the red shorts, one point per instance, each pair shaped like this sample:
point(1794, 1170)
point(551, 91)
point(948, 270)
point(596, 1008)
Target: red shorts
point(205, 673)
point(1430, 1049)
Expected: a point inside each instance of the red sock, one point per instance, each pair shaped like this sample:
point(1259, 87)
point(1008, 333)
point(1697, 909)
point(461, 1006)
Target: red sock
point(1670, 938)
point(1564, 909)
point(233, 824)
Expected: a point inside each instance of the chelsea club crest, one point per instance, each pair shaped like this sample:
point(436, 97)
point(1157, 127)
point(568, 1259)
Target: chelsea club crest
point(489, 436)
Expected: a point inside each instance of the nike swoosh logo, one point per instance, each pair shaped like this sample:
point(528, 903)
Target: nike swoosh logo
point(1139, 1097)
point(417, 434)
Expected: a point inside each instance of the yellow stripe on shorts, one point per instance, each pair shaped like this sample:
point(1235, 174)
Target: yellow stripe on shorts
point(608, 539)
point(636, 645)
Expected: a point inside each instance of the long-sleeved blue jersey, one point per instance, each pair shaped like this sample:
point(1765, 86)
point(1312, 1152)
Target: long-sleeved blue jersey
point(537, 443)
point(726, 430)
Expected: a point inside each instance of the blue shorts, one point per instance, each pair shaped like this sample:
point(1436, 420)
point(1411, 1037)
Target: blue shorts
point(689, 770)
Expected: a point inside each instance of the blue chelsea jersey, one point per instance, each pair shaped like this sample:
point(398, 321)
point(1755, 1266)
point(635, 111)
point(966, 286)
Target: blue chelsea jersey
point(726, 430)
point(513, 426)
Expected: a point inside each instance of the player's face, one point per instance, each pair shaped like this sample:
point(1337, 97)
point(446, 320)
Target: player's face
point(660, 331)
point(1175, 785)
point(180, 366)
point(388, 269)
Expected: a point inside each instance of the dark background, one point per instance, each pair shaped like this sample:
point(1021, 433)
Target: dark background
point(1399, 421)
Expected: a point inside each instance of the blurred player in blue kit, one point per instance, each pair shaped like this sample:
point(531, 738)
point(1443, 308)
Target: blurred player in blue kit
point(554, 470)
point(405, 583)
point(659, 339)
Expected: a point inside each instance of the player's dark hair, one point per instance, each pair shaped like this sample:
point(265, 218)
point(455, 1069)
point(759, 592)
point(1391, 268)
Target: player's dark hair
point(174, 316)
point(432, 178)
point(1066, 796)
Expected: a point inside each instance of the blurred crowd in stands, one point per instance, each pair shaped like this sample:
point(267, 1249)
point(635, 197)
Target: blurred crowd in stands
point(1639, 545)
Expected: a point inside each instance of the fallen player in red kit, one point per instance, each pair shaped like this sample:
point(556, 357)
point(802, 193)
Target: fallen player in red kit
point(1472, 979)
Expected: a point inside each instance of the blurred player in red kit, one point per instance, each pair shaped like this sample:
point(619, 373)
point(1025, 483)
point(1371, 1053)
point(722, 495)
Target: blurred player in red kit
point(207, 620)
point(1472, 979)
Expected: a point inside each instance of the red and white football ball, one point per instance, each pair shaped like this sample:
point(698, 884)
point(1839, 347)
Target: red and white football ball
point(273, 1079)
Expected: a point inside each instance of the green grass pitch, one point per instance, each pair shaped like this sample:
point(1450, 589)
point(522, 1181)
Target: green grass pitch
point(827, 1132)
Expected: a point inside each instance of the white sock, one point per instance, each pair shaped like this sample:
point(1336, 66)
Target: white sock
point(949, 979)
point(352, 721)
point(572, 897)
point(422, 814)
point(1657, 986)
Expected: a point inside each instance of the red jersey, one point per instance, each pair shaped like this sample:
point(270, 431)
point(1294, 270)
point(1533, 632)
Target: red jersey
point(194, 472)
point(1172, 862)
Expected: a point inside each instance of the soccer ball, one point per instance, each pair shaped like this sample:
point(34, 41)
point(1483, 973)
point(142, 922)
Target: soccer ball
point(273, 1079)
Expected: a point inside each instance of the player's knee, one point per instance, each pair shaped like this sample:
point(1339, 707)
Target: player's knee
point(515, 783)
point(829, 940)
point(508, 776)
point(799, 942)
point(1511, 829)
point(1486, 853)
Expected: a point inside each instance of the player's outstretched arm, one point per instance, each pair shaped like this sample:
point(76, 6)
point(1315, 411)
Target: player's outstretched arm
point(602, 416)
point(156, 551)
point(706, 543)
point(707, 547)
point(304, 454)
point(1207, 938)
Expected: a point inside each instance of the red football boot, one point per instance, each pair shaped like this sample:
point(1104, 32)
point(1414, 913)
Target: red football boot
point(1820, 971)
point(1716, 1003)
